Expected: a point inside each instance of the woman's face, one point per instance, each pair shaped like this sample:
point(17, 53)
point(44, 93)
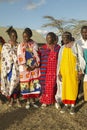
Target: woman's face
point(50, 40)
point(84, 34)
point(26, 37)
point(65, 39)
point(13, 37)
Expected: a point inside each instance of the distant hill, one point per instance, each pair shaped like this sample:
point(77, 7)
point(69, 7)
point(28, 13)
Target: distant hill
point(36, 36)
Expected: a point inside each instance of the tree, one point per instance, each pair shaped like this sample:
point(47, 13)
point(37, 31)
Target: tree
point(77, 28)
point(71, 25)
point(55, 23)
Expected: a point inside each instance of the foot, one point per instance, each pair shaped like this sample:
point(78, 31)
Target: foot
point(72, 110)
point(57, 105)
point(27, 105)
point(64, 109)
point(34, 105)
point(11, 103)
point(18, 103)
point(43, 105)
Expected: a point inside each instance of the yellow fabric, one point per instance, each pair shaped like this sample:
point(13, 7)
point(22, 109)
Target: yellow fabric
point(85, 90)
point(69, 75)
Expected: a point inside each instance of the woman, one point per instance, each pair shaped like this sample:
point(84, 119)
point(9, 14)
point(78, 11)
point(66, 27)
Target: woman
point(83, 43)
point(28, 60)
point(2, 41)
point(59, 88)
point(49, 56)
point(71, 65)
point(9, 68)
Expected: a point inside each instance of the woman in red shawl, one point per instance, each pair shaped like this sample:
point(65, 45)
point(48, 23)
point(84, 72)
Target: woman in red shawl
point(49, 56)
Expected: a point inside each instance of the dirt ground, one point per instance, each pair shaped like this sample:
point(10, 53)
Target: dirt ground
point(50, 118)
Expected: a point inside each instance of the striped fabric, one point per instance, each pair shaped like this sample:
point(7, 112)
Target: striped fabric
point(44, 58)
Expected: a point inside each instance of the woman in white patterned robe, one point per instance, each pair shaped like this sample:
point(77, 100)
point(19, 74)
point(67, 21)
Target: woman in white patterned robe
point(9, 67)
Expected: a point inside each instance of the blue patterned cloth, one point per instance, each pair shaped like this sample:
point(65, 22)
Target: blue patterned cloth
point(29, 58)
point(9, 75)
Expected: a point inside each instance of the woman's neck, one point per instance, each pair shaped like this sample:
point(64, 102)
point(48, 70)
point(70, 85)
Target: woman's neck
point(13, 43)
point(51, 47)
point(85, 39)
point(69, 45)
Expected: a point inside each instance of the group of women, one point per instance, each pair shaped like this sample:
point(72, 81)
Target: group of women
point(48, 73)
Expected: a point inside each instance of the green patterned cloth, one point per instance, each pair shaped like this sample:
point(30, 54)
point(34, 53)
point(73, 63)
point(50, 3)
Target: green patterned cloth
point(85, 57)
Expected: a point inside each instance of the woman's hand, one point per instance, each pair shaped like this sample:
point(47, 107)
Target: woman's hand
point(60, 77)
point(80, 74)
point(30, 68)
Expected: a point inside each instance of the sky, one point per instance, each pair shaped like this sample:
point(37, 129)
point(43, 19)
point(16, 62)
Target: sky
point(30, 13)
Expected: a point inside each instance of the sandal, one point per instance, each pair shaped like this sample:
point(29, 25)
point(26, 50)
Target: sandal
point(34, 105)
point(27, 105)
point(10, 104)
point(18, 103)
point(43, 106)
point(57, 106)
